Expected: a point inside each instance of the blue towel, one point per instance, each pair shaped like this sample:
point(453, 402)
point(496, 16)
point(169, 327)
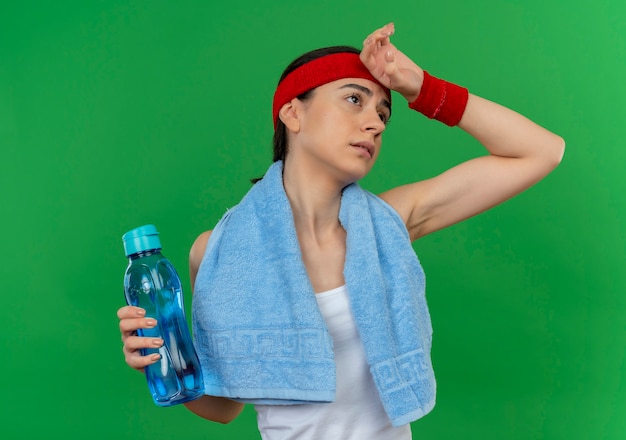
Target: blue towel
point(258, 330)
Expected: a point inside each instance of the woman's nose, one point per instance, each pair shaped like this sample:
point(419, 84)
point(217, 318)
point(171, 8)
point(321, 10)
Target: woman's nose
point(373, 122)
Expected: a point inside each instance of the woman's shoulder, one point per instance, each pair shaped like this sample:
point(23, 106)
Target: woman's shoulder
point(199, 245)
point(196, 253)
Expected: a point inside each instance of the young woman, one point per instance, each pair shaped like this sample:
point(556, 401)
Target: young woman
point(306, 228)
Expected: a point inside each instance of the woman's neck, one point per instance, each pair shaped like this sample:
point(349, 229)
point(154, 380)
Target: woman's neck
point(315, 200)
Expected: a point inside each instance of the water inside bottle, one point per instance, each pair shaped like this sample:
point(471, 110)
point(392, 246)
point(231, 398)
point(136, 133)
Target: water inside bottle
point(175, 378)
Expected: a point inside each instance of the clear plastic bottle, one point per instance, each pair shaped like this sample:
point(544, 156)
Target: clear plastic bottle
point(151, 282)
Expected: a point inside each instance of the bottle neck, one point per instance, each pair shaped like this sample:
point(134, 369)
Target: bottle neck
point(146, 253)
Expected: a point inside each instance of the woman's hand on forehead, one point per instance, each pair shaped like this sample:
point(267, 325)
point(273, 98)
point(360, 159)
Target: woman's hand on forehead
point(389, 65)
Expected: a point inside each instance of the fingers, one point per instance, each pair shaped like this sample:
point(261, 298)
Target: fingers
point(131, 320)
point(132, 354)
point(377, 39)
point(391, 67)
point(130, 312)
point(381, 35)
point(130, 326)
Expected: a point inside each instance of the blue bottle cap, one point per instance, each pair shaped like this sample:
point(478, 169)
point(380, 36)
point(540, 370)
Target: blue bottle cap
point(141, 239)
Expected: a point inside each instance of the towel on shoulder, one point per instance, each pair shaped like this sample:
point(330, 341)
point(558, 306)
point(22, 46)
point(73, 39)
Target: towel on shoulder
point(258, 330)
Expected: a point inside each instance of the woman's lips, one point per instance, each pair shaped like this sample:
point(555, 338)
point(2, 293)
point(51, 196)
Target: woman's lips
point(366, 146)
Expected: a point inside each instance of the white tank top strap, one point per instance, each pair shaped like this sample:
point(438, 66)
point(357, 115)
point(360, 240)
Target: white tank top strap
point(337, 290)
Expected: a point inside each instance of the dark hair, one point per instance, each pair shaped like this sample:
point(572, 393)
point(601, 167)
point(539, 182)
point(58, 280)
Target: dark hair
point(279, 140)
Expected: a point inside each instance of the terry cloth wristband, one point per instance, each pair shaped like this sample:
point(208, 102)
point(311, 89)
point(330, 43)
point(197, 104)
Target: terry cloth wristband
point(441, 100)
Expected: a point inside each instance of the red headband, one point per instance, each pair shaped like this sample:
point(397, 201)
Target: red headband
point(318, 72)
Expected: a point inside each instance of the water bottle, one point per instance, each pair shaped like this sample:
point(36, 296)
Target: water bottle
point(151, 282)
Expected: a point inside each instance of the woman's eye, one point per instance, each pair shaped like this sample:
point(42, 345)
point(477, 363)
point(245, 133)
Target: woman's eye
point(354, 99)
point(383, 117)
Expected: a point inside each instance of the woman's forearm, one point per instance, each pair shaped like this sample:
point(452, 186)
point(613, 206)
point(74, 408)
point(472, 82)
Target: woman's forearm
point(506, 133)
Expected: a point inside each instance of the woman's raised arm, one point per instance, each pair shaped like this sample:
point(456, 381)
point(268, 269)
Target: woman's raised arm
point(520, 152)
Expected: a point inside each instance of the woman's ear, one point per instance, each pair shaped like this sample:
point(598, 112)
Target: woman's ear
point(290, 115)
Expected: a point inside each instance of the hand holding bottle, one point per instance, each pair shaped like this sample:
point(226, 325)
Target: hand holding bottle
point(166, 352)
point(132, 319)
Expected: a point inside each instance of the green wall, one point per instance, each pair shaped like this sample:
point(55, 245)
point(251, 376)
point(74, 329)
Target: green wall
point(117, 113)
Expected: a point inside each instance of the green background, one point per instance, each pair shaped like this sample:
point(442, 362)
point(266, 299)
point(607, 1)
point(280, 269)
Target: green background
point(115, 113)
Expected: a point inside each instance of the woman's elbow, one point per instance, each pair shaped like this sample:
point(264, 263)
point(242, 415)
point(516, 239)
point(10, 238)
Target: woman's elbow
point(225, 419)
point(215, 409)
point(554, 151)
point(231, 413)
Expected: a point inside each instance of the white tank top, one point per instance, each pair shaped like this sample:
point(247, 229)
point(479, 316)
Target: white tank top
point(357, 412)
